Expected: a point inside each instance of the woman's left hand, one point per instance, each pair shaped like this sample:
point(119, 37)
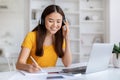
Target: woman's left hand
point(65, 29)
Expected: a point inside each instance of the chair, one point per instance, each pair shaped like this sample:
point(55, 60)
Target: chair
point(11, 60)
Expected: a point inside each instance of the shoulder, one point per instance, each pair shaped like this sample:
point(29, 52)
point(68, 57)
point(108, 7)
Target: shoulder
point(29, 40)
point(31, 34)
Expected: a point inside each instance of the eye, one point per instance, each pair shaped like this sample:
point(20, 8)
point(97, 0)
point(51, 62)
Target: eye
point(50, 21)
point(59, 21)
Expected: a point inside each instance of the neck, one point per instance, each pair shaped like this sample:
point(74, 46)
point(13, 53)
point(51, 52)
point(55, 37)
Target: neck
point(49, 39)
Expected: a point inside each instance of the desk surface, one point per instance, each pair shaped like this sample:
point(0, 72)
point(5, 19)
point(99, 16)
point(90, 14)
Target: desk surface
point(109, 74)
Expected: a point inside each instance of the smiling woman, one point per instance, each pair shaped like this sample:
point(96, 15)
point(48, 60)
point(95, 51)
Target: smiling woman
point(46, 42)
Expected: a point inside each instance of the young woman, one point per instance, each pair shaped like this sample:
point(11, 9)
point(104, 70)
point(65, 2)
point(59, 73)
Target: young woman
point(48, 41)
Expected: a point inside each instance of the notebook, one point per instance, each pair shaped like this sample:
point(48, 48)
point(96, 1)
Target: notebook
point(98, 60)
point(32, 74)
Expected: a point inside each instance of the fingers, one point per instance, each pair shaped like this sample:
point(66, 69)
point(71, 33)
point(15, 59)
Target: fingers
point(33, 68)
point(66, 22)
point(36, 66)
point(65, 27)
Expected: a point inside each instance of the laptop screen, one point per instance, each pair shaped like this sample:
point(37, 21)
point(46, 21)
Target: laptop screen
point(99, 57)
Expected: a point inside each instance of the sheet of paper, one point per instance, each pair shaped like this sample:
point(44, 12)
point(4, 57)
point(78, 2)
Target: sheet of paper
point(78, 64)
point(53, 69)
point(19, 76)
point(37, 73)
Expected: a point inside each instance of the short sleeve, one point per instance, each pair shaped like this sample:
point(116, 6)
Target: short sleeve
point(28, 41)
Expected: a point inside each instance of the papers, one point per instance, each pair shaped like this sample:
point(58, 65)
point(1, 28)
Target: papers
point(37, 73)
point(53, 69)
point(19, 76)
point(71, 74)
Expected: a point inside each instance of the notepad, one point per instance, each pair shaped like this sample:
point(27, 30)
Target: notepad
point(37, 73)
point(71, 74)
point(19, 76)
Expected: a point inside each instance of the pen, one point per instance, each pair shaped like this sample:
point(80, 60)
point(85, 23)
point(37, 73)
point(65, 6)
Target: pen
point(36, 63)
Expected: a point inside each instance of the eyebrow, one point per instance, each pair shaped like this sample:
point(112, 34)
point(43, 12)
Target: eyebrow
point(53, 19)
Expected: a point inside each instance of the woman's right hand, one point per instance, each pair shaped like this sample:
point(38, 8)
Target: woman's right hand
point(32, 68)
point(21, 62)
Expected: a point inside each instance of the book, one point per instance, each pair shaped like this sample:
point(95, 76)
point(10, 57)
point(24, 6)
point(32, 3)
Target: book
point(74, 71)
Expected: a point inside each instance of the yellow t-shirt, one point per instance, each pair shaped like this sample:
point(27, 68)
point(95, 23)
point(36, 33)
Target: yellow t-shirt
point(49, 58)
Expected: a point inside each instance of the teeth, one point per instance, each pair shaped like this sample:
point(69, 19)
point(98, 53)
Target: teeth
point(53, 28)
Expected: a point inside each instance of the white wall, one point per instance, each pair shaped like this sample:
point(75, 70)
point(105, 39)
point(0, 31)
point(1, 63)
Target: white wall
point(114, 20)
point(13, 21)
point(12, 25)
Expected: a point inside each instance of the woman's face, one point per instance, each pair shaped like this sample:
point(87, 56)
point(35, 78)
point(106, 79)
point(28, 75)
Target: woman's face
point(53, 22)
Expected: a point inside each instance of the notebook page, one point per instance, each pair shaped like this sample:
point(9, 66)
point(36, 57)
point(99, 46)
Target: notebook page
point(19, 76)
point(37, 73)
point(53, 69)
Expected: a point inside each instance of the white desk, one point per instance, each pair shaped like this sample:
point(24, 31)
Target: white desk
point(109, 74)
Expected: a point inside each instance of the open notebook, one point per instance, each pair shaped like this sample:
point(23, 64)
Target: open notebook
point(37, 73)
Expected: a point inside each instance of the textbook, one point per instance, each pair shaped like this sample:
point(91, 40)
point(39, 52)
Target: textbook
point(37, 73)
point(74, 71)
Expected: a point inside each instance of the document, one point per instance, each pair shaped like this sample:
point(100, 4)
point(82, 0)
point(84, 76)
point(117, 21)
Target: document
point(19, 76)
point(53, 69)
point(37, 73)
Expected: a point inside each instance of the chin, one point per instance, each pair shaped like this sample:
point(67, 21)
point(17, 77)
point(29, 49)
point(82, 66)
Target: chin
point(53, 32)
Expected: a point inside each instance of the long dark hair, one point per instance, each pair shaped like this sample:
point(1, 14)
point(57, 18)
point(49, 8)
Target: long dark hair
point(41, 32)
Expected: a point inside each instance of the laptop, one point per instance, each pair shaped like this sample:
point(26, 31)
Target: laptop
point(98, 60)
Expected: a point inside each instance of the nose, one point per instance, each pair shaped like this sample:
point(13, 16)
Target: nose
point(55, 23)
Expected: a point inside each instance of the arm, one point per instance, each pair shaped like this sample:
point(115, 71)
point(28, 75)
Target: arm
point(67, 58)
point(21, 63)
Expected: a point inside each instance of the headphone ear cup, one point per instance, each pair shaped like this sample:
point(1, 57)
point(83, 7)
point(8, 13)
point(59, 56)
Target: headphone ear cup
point(63, 21)
point(64, 18)
point(42, 22)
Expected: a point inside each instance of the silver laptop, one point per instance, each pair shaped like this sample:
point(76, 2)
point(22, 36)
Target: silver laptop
point(98, 60)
